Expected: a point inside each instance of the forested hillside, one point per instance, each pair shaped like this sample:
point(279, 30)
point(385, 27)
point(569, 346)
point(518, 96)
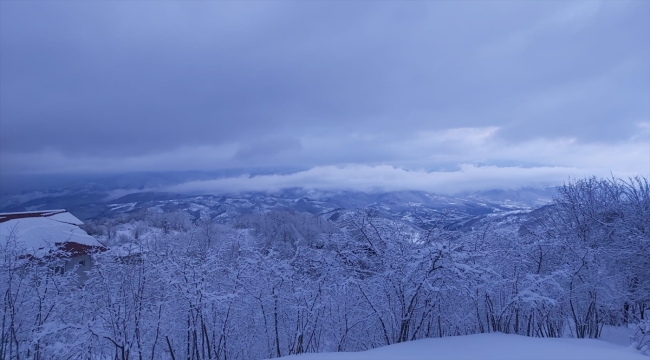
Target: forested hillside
point(275, 283)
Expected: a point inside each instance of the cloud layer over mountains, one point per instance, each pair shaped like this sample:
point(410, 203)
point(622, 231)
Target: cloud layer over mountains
point(362, 95)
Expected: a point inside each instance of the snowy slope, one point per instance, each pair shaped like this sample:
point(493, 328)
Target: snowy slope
point(489, 347)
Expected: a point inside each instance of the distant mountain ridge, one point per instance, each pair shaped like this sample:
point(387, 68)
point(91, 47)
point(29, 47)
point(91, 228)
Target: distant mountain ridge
point(95, 200)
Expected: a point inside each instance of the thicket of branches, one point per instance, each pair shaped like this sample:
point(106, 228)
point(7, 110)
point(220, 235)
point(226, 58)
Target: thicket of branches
point(303, 284)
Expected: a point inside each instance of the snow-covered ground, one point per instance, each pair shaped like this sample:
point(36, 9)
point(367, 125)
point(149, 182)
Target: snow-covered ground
point(619, 335)
point(489, 347)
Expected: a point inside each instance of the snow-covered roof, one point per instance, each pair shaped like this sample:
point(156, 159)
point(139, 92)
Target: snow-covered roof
point(59, 215)
point(38, 233)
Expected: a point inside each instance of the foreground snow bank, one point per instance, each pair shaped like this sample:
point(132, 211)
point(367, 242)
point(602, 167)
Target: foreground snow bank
point(489, 347)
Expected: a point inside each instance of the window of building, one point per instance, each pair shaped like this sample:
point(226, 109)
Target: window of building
point(59, 270)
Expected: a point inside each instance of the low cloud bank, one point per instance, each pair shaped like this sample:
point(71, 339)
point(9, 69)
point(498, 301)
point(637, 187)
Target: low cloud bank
point(473, 158)
point(421, 149)
point(389, 178)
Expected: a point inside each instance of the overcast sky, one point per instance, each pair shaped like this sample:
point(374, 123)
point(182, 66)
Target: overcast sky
point(384, 92)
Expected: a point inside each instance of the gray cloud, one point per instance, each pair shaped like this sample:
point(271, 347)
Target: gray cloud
point(388, 178)
point(118, 86)
point(267, 149)
point(425, 150)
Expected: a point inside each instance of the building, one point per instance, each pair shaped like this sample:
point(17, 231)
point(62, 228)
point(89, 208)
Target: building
point(51, 237)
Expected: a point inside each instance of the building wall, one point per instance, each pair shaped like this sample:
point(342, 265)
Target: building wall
point(81, 264)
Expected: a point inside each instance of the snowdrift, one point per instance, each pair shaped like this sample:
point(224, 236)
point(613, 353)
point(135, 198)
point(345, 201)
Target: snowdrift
point(489, 347)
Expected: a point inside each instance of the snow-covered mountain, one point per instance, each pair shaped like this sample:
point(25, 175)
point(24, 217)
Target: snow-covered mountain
point(114, 196)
